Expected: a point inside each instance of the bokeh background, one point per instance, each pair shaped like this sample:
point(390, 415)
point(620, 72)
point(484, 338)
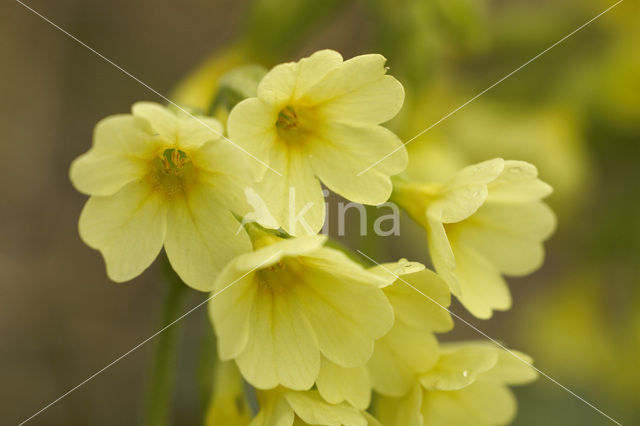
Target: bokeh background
point(574, 112)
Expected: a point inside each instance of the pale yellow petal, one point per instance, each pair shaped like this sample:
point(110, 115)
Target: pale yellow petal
point(404, 411)
point(510, 236)
point(312, 409)
point(376, 102)
point(479, 404)
point(518, 183)
point(345, 335)
point(202, 236)
point(252, 126)
point(343, 151)
point(482, 288)
point(95, 173)
point(228, 405)
point(313, 69)
point(337, 384)
point(466, 191)
point(274, 411)
point(371, 421)
point(229, 171)
point(179, 129)
point(294, 199)
point(163, 121)
point(273, 253)
point(128, 228)
point(354, 73)
point(126, 135)
point(230, 310)
point(512, 368)
point(277, 86)
point(399, 357)
point(194, 131)
point(122, 148)
point(421, 300)
point(459, 365)
point(281, 349)
point(441, 253)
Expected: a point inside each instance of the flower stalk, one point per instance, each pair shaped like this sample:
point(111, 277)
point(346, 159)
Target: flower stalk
point(157, 402)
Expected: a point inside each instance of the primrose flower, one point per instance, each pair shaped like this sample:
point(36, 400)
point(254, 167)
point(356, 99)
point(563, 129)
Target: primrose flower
point(468, 385)
point(420, 299)
point(293, 302)
point(486, 221)
point(157, 178)
point(283, 407)
point(317, 120)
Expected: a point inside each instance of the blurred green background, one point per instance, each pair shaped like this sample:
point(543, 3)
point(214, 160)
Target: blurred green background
point(574, 112)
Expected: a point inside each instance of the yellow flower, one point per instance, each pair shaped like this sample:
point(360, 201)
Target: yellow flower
point(318, 120)
point(156, 178)
point(486, 221)
point(292, 302)
point(467, 386)
point(419, 298)
point(228, 406)
point(283, 407)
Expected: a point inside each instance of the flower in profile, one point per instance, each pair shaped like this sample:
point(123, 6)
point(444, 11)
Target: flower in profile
point(486, 221)
point(420, 299)
point(156, 178)
point(284, 407)
point(468, 385)
point(228, 405)
point(317, 120)
point(293, 302)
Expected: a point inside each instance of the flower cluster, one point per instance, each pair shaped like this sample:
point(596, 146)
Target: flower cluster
point(314, 332)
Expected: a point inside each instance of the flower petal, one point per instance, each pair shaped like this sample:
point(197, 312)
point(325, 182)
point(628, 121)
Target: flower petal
point(274, 411)
point(482, 288)
point(466, 191)
point(459, 365)
point(281, 348)
point(375, 102)
point(180, 129)
point(103, 174)
point(337, 384)
point(509, 235)
point(480, 404)
point(399, 357)
point(230, 310)
point(251, 125)
point(518, 183)
point(312, 409)
point(295, 199)
point(314, 68)
point(344, 151)
point(345, 335)
point(512, 369)
point(277, 86)
point(202, 236)
point(128, 228)
point(420, 300)
point(354, 73)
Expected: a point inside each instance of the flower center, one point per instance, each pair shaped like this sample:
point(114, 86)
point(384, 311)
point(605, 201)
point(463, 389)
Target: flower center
point(174, 161)
point(171, 172)
point(287, 118)
point(281, 276)
point(295, 125)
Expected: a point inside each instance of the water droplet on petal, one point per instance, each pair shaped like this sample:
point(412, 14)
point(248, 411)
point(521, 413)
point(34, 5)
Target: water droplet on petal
point(465, 373)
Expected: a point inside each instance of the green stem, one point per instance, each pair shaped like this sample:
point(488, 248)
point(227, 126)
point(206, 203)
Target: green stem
point(157, 408)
